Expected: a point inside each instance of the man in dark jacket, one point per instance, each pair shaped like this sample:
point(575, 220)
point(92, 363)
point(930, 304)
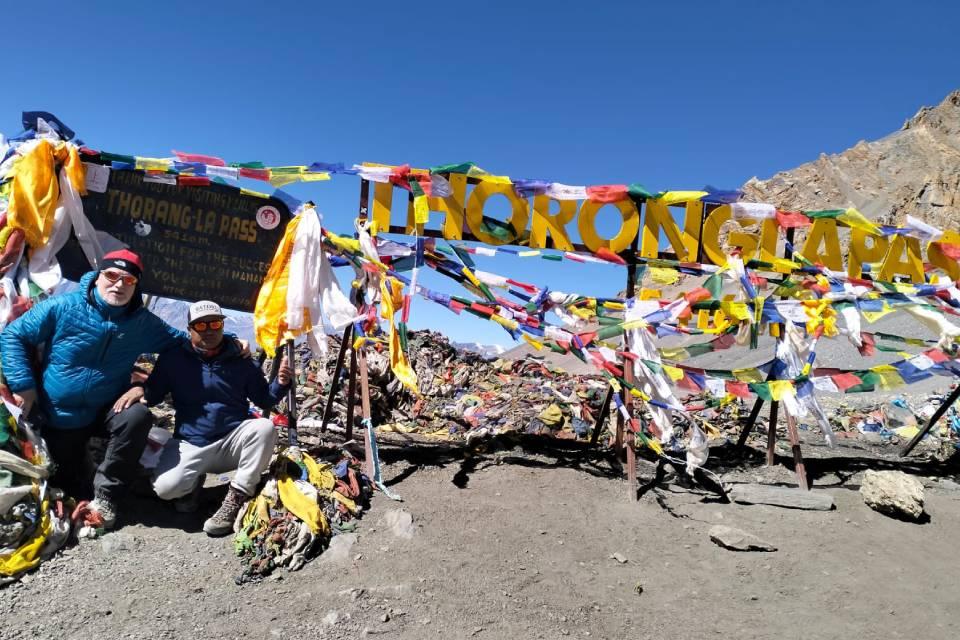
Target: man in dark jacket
point(212, 386)
point(92, 336)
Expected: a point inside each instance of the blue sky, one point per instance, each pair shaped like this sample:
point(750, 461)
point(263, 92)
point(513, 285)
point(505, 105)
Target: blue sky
point(673, 95)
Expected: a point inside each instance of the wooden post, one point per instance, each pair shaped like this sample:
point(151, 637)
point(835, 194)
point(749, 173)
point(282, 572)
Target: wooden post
point(602, 417)
point(351, 392)
point(628, 376)
point(365, 407)
point(337, 370)
point(798, 465)
point(772, 433)
point(942, 409)
point(752, 419)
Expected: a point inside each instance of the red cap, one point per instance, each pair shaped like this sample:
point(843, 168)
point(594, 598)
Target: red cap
point(123, 259)
point(124, 254)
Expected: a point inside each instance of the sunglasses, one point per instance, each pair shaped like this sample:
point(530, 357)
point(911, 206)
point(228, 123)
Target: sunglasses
point(202, 325)
point(114, 276)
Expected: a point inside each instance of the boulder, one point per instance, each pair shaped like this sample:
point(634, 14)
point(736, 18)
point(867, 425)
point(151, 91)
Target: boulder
point(339, 549)
point(400, 523)
point(893, 493)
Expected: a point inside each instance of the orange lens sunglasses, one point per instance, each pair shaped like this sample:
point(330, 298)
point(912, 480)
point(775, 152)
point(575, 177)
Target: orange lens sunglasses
point(113, 276)
point(202, 325)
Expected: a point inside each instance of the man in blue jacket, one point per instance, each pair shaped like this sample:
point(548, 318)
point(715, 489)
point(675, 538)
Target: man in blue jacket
point(93, 336)
point(212, 385)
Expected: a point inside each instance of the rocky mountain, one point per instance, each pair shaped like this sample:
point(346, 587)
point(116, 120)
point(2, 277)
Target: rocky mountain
point(489, 351)
point(915, 171)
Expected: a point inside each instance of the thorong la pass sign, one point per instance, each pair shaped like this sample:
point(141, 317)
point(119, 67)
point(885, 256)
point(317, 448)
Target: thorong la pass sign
point(706, 233)
point(197, 242)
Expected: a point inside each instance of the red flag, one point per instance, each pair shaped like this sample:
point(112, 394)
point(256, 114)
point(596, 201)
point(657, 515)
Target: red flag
point(845, 380)
point(193, 181)
point(202, 159)
point(256, 174)
point(739, 389)
point(399, 176)
point(952, 251)
point(868, 348)
point(698, 294)
point(792, 219)
point(936, 355)
point(607, 193)
point(479, 308)
point(609, 256)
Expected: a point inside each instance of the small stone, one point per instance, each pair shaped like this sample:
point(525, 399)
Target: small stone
point(619, 557)
point(738, 540)
point(331, 618)
point(385, 617)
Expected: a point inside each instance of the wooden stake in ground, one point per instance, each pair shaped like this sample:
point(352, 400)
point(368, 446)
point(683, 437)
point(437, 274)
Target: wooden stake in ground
point(337, 370)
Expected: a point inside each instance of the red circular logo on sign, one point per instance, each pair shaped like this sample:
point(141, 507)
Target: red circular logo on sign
point(268, 217)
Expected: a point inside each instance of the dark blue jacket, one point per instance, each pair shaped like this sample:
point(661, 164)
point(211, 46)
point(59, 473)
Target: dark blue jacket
point(91, 348)
point(211, 396)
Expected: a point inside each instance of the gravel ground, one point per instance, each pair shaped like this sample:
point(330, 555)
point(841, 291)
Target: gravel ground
point(513, 544)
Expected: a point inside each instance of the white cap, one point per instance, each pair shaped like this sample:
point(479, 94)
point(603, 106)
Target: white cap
point(203, 309)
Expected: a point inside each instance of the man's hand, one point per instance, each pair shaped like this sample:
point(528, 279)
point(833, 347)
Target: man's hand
point(284, 373)
point(130, 398)
point(25, 400)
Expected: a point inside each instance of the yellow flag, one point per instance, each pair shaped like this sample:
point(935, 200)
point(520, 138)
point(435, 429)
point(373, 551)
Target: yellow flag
point(536, 344)
point(873, 316)
point(421, 211)
point(662, 275)
point(856, 220)
point(675, 373)
point(302, 506)
point(36, 189)
point(391, 298)
point(676, 197)
point(889, 376)
point(27, 555)
point(781, 388)
point(270, 312)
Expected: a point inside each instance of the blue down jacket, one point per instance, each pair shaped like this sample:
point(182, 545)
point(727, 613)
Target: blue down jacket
point(211, 396)
point(91, 348)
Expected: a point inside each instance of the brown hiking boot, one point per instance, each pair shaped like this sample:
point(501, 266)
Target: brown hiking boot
point(221, 523)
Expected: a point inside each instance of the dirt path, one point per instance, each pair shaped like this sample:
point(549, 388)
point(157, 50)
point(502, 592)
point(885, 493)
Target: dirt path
point(519, 549)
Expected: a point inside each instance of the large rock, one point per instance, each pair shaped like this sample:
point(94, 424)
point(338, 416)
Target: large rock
point(738, 540)
point(400, 523)
point(339, 549)
point(893, 493)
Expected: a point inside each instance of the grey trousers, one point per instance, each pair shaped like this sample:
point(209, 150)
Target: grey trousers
point(247, 449)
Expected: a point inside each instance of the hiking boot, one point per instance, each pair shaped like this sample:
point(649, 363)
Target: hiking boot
point(105, 509)
point(190, 502)
point(221, 523)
